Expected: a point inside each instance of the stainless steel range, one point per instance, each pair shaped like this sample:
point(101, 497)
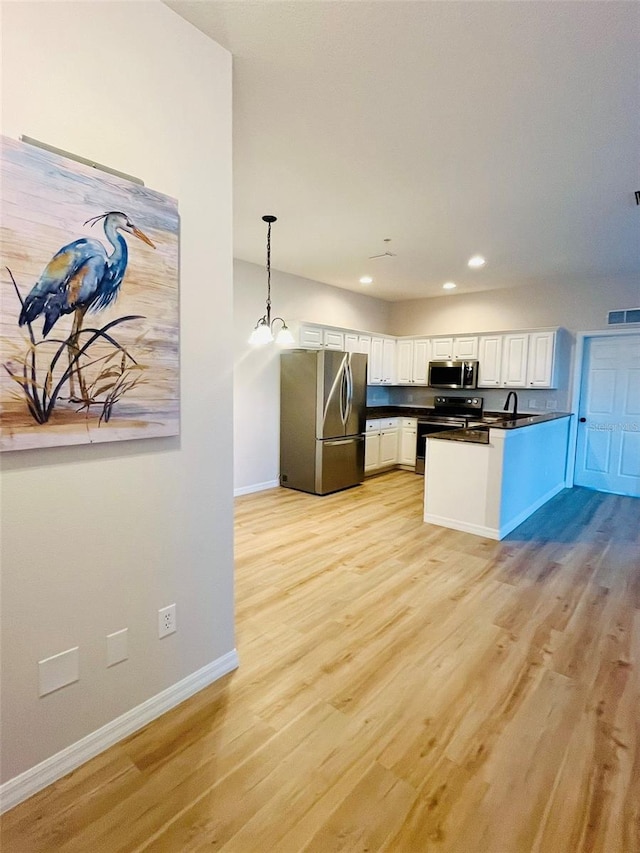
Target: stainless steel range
point(448, 413)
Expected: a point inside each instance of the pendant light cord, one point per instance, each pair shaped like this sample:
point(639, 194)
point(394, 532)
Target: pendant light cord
point(269, 274)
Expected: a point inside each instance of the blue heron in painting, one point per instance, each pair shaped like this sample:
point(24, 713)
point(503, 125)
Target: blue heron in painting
point(81, 277)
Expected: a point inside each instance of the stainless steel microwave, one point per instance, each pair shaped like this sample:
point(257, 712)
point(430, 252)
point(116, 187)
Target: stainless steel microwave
point(453, 374)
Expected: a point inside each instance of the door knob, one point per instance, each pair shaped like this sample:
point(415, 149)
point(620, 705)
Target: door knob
point(583, 420)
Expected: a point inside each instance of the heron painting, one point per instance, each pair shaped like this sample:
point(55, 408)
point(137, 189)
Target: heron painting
point(89, 326)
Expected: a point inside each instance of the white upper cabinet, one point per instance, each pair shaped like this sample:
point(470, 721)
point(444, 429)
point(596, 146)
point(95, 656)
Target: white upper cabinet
point(528, 359)
point(421, 359)
point(503, 360)
point(404, 361)
point(364, 344)
point(351, 342)
point(375, 362)
point(520, 360)
point(466, 349)
point(389, 360)
point(332, 339)
point(382, 361)
point(540, 372)
point(460, 348)
point(441, 349)
point(311, 337)
point(514, 360)
point(490, 361)
point(412, 360)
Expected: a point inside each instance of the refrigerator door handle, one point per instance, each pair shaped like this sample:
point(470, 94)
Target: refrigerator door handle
point(344, 396)
point(350, 387)
point(344, 441)
point(338, 381)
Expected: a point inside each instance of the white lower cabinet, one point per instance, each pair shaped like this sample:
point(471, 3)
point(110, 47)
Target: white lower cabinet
point(389, 446)
point(407, 442)
point(408, 438)
point(381, 444)
point(371, 452)
point(372, 446)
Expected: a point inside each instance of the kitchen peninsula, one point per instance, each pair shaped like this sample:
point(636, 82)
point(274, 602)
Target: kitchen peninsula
point(487, 480)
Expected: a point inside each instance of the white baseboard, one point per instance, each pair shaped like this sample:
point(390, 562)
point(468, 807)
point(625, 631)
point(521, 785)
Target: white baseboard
point(256, 487)
point(27, 784)
point(493, 532)
point(534, 507)
point(465, 527)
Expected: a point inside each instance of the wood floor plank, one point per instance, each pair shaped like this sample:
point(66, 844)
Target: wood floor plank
point(402, 688)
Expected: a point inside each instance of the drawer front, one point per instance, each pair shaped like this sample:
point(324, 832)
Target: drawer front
point(389, 423)
point(409, 423)
point(373, 426)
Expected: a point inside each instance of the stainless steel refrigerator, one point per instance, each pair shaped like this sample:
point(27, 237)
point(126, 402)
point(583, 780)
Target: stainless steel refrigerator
point(322, 419)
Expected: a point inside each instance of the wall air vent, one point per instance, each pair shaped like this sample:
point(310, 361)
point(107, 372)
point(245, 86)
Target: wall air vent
point(618, 318)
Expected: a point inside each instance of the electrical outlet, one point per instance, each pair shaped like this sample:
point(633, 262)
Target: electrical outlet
point(167, 621)
point(552, 404)
point(533, 403)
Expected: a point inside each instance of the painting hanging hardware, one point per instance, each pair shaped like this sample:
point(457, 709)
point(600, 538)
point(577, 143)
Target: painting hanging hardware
point(30, 141)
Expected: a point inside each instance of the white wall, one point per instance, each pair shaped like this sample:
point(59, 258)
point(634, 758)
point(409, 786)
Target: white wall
point(97, 538)
point(578, 307)
point(257, 371)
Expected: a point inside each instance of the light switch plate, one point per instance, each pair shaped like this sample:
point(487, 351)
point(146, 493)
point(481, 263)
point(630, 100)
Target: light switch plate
point(58, 671)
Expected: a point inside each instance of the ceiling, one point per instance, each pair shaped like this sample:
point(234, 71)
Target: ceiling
point(509, 129)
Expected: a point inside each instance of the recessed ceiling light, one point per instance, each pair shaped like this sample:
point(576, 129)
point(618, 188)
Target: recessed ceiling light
point(476, 261)
point(449, 285)
point(366, 279)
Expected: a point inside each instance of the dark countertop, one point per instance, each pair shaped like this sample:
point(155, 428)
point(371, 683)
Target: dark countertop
point(479, 435)
point(398, 411)
point(529, 420)
point(522, 420)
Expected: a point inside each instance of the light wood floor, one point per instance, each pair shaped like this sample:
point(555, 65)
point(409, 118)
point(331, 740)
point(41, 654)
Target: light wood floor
point(402, 688)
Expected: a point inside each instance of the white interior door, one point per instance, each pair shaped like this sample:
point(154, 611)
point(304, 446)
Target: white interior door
point(608, 441)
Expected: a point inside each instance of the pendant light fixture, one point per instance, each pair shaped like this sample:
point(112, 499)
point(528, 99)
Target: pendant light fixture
point(263, 331)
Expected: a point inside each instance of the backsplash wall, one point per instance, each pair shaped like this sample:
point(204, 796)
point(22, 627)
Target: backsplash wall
point(554, 400)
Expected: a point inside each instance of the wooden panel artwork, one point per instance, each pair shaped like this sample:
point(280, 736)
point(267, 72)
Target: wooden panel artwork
point(89, 294)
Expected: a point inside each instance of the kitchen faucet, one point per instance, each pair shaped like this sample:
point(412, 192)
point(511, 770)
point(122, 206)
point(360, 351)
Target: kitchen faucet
point(515, 403)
